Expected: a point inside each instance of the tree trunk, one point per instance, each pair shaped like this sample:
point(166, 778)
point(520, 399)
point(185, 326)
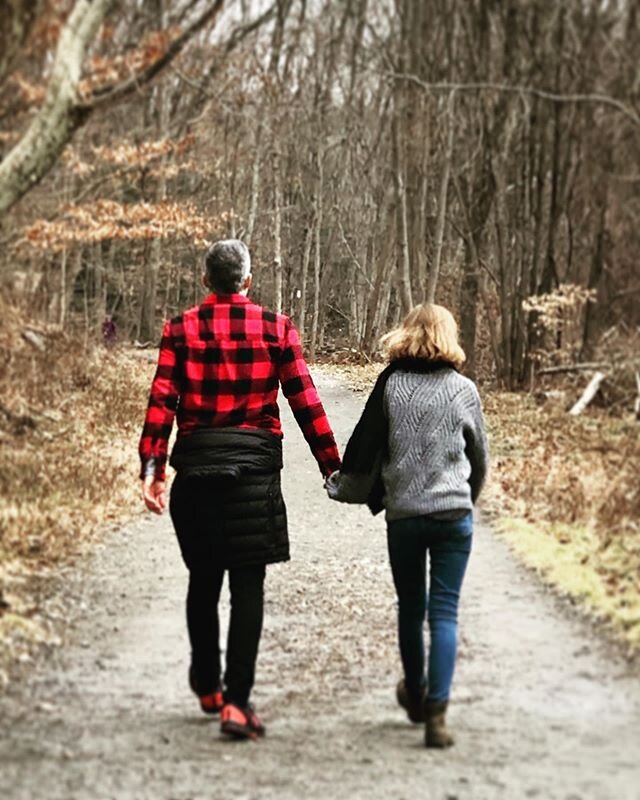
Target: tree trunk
point(52, 127)
point(402, 243)
point(591, 321)
point(317, 261)
point(277, 232)
point(469, 289)
point(98, 305)
point(154, 258)
point(255, 186)
point(306, 257)
point(434, 272)
point(378, 297)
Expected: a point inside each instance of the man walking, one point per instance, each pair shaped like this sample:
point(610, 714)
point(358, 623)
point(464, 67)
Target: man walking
point(219, 370)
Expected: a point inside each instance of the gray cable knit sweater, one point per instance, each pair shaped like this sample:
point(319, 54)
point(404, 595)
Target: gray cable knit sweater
point(438, 453)
point(438, 449)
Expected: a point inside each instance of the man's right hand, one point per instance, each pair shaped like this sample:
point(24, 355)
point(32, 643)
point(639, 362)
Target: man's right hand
point(155, 494)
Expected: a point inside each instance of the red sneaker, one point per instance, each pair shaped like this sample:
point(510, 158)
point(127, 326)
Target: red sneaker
point(240, 723)
point(255, 721)
point(210, 703)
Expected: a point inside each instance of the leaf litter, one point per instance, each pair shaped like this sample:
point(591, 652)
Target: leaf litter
point(69, 421)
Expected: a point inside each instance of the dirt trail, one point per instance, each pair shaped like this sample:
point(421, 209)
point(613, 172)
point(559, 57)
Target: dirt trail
point(541, 708)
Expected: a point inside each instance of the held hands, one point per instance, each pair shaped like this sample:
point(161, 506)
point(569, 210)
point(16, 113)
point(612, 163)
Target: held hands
point(331, 483)
point(154, 494)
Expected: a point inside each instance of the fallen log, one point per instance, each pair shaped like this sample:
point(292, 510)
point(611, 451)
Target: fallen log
point(589, 393)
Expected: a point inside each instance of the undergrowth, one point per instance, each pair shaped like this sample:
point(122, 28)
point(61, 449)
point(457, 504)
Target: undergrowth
point(69, 423)
point(566, 494)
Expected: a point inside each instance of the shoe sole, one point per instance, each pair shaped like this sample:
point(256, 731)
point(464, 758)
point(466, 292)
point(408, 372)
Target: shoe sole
point(438, 744)
point(234, 731)
point(211, 712)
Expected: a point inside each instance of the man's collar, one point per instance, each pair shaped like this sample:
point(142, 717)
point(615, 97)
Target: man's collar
point(232, 299)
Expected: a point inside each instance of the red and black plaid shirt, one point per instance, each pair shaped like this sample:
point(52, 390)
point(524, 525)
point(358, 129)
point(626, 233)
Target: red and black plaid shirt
point(220, 365)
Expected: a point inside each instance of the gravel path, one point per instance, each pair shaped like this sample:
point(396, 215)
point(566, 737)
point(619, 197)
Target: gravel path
point(541, 707)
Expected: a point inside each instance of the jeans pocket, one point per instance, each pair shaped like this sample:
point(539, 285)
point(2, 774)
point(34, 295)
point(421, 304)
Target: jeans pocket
point(462, 529)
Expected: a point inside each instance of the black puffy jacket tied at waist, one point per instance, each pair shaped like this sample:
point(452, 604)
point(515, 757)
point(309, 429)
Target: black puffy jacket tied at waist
point(226, 500)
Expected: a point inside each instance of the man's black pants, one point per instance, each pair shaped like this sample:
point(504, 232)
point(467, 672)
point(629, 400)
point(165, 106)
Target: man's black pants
point(246, 586)
point(212, 524)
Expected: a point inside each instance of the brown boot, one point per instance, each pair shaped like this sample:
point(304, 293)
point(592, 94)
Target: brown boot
point(436, 734)
point(412, 704)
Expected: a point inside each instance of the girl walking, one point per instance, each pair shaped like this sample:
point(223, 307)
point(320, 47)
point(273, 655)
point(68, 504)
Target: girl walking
point(420, 452)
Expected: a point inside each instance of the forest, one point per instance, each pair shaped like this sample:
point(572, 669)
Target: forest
point(374, 155)
point(370, 158)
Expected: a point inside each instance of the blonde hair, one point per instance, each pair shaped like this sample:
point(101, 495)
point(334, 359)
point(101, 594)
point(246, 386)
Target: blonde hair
point(428, 331)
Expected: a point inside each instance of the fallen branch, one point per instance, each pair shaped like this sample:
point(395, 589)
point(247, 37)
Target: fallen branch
point(337, 311)
point(32, 338)
point(589, 393)
point(574, 367)
point(50, 437)
point(626, 292)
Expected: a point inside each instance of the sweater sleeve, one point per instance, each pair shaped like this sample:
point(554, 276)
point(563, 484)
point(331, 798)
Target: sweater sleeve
point(476, 444)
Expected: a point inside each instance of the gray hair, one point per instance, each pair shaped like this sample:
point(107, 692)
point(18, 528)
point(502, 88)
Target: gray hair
point(227, 264)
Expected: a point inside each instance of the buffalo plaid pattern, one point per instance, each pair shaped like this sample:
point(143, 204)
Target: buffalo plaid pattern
point(220, 365)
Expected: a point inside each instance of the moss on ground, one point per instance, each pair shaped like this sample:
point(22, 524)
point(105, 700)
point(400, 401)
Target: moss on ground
point(569, 557)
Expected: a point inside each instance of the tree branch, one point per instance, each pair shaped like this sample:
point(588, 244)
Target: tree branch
point(62, 112)
point(594, 99)
point(109, 94)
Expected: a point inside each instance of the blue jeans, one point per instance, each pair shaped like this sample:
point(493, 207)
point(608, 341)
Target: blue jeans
point(449, 545)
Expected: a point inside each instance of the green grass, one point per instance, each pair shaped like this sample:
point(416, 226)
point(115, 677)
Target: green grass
point(571, 558)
